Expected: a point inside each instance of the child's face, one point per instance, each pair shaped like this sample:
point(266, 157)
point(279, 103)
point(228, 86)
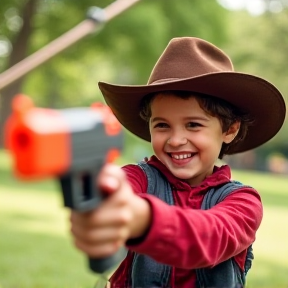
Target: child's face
point(184, 137)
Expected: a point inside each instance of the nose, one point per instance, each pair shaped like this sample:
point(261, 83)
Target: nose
point(177, 139)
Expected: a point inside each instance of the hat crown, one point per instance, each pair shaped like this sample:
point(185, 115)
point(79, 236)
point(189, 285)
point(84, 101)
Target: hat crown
point(194, 65)
point(188, 57)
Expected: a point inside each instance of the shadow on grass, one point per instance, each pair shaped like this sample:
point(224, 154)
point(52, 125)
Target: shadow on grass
point(24, 217)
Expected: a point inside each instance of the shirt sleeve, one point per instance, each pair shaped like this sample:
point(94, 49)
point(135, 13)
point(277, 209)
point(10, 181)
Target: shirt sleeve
point(137, 178)
point(190, 239)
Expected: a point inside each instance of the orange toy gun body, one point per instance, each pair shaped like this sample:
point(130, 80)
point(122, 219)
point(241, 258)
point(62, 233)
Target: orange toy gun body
point(71, 144)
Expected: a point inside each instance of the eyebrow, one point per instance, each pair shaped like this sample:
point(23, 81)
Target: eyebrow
point(155, 119)
point(196, 118)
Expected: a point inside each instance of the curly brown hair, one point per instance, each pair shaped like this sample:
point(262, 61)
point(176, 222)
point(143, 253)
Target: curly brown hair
point(216, 107)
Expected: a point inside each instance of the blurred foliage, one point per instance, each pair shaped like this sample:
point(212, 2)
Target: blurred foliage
point(125, 50)
point(258, 46)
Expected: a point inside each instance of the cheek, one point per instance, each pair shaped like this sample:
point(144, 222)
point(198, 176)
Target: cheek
point(208, 141)
point(201, 139)
point(157, 142)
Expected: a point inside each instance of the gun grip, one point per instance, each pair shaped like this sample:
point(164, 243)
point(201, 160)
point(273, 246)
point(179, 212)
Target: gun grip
point(104, 264)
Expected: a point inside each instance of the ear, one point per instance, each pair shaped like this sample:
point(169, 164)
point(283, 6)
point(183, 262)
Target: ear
point(231, 133)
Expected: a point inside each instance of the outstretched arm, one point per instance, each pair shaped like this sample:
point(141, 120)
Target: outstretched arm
point(122, 215)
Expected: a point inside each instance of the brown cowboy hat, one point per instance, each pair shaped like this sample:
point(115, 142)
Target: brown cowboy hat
point(192, 64)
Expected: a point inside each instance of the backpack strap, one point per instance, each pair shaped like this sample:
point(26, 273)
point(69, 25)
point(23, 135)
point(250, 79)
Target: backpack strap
point(157, 183)
point(146, 272)
point(228, 273)
point(212, 198)
point(219, 193)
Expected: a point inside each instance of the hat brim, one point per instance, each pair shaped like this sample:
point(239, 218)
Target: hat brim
point(259, 98)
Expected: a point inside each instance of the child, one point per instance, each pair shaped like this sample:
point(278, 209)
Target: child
point(194, 110)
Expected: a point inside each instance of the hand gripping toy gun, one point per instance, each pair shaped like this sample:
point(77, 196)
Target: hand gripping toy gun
point(71, 144)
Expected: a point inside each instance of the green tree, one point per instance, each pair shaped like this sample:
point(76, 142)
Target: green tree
point(258, 45)
point(124, 51)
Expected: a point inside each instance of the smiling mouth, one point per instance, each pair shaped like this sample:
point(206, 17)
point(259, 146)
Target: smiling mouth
point(181, 156)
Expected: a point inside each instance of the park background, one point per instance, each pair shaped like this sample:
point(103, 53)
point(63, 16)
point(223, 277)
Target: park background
point(35, 247)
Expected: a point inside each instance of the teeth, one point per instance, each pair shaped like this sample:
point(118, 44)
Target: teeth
point(182, 156)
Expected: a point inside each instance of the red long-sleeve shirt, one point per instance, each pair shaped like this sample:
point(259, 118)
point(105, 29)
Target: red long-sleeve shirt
point(186, 237)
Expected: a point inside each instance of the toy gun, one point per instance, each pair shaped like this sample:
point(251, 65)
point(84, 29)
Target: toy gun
point(71, 144)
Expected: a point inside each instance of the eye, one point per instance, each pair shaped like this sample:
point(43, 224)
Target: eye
point(194, 125)
point(161, 125)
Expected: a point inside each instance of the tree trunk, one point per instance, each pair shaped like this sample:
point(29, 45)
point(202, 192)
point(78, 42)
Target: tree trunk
point(19, 52)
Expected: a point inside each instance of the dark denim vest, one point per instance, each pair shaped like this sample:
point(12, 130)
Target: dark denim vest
point(147, 273)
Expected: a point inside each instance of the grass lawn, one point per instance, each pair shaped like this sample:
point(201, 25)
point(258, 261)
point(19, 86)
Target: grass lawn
point(36, 250)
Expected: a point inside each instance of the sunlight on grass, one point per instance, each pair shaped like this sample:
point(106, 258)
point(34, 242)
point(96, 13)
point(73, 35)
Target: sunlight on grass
point(5, 159)
point(270, 266)
point(33, 211)
point(270, 251)
point(36, 247)
point(272, 225)
point(277, 184)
